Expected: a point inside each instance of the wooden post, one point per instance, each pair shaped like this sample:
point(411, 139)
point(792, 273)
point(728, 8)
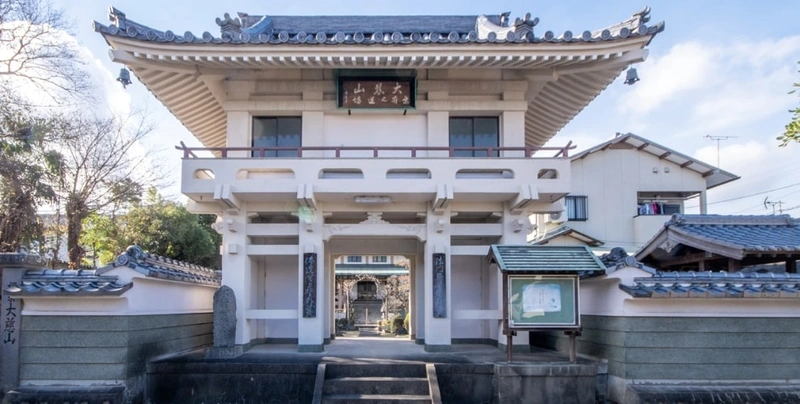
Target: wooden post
point(573, 350)
point(791, 266)
point(506, 329)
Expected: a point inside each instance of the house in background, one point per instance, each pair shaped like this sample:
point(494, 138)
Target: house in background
point(623, 190)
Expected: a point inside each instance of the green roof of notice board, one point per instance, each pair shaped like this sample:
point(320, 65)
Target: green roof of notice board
point(546, 259)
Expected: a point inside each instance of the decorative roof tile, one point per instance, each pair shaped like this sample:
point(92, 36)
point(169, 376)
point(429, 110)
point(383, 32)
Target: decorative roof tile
point(155, 266)
point(716, 285)
point(65, 282)
point(546, 259)
point(367, 30)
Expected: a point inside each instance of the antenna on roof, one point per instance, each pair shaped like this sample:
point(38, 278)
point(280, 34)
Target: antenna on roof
point(767, 204)
point(718, 138)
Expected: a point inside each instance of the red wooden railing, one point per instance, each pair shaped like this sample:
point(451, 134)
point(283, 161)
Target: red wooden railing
point(491, 152)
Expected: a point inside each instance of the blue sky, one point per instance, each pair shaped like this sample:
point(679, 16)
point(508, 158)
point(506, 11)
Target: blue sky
point(719, 69)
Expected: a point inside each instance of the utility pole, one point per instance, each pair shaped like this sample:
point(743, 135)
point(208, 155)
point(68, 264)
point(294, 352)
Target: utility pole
point(718, 138)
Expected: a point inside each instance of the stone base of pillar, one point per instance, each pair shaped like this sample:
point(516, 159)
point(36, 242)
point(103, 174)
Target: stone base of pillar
point(438, 348)
point(224, 352)
point(310, 348)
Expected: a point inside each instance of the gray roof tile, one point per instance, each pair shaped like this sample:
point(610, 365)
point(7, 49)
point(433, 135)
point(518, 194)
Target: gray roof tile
point(65, 282)
point(159, 267)
point(366, 30)
point(95, 282)
point(546, 259)
point(716, 285)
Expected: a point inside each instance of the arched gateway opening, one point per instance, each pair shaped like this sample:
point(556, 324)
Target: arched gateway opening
point(372, 296)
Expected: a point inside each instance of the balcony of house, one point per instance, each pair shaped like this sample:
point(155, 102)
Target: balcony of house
point(522, 175)
point(654, 209)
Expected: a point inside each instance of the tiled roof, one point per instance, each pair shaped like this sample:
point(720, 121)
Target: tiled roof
point(546, 259)
point(565, 230)
point(20, 259)
point(713, 176)
point(61, 282)
point(731, 236)
point(774, 233)
point(716, 285)
point(366, 30)
point(159, 267)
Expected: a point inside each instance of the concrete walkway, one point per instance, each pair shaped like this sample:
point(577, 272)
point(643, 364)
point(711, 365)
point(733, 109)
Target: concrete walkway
point(383, 349)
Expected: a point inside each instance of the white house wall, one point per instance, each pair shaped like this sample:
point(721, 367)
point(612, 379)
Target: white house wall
point(612, 178)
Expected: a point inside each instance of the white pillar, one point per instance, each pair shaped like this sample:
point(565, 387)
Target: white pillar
point(239, 128)
point(310, 330)
point(236, 269)
point(703, 203)
point(313, 132)
point(437, 330)
point(512, 132)
point(418, 317)
point(438, 132)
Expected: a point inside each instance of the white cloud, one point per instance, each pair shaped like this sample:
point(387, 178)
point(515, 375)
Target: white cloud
point(685, 67)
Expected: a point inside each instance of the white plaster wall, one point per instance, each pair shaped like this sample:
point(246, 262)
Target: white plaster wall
point(375, 130)
point(281, 294)
point(611, 180)
point(147, 296)
point(467, 294)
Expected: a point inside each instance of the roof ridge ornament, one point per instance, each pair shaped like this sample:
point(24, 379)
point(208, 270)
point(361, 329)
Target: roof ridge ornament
point(245, 24)
point(521, 29)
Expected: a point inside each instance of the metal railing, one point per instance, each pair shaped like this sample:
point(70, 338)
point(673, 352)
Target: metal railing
point(491, 152)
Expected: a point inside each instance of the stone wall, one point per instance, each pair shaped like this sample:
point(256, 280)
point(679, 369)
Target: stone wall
point(105, 349)
point(693, 349)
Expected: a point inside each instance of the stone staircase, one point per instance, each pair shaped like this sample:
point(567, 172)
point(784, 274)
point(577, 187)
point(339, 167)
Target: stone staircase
point(376, 384)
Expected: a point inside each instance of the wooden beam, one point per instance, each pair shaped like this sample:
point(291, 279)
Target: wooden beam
point(689, 259)
point(643, 146)
point(688, 163)
point(663, 156)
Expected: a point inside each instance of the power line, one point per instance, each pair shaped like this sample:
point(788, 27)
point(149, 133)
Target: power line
point(747, 196)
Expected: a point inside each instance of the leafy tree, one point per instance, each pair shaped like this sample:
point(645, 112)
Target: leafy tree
point(792, 133)
point(25, 163)
point(35, 50)
point(99, 169)
point(160, 227)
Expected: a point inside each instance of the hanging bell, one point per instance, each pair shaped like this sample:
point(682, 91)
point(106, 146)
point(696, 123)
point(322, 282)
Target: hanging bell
point(124, 77)
point(631, 76)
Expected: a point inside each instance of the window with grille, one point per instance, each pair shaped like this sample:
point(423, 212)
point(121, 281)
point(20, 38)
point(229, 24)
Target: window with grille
point(380, 259)
point(577, 208)
point(353, 258)
point(283, 131)
point(474, 132)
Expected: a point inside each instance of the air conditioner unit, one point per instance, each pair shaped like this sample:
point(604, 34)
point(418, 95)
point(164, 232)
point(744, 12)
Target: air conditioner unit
point(556, 218)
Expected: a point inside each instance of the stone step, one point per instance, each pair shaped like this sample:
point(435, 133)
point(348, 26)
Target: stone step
point(375, 399)
point(335, 371)
point(376, 385)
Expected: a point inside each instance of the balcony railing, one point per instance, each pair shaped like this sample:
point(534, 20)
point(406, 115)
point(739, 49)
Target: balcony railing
point(490, 152)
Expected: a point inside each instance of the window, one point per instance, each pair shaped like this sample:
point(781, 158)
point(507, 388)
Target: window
point(474, 132)
point(379, 259)
point(576, 208)
point(277, 132)
point(353, 258)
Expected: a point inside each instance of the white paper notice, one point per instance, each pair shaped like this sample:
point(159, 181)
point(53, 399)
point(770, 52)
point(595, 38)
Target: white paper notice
point(542, 297)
